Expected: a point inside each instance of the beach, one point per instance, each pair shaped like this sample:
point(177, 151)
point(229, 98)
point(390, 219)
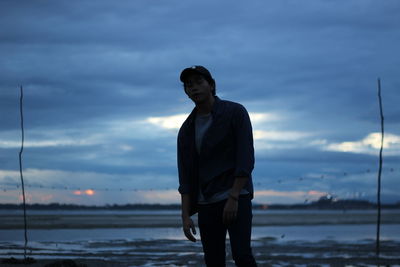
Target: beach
point(99, 219)
point(280, 238)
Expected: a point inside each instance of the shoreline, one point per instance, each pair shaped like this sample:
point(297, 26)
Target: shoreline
point(90, 221)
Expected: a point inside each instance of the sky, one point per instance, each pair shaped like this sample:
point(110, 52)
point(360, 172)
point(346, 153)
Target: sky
point(103, 102)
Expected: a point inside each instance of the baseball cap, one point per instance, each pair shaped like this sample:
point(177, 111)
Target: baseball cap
point(196, 69)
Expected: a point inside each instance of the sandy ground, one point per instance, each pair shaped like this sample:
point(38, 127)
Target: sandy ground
point(165, 220)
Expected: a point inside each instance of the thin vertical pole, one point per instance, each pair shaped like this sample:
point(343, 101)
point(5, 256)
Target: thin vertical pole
point(20, 169)
point(379, 172)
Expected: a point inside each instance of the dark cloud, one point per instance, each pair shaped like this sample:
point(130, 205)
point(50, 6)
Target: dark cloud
point(95, 71)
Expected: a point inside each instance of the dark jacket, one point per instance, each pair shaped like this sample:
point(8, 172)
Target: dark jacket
point(226, 152)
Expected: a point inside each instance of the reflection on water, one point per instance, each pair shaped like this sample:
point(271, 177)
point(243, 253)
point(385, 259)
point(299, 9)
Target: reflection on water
point(164, 252)
point(313, 233)
point(167, 245)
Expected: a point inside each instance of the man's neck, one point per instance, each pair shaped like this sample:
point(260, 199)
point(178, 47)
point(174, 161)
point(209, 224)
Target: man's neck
point(206, 106)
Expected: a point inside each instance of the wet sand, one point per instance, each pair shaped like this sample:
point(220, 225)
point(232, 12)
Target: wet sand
point(82, 221)
point(268, 252)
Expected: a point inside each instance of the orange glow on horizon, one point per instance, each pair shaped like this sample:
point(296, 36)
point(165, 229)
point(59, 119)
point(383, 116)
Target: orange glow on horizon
point(89, 192)
point(316, 193)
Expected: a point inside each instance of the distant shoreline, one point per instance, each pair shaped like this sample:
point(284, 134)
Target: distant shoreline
point(156, 220)
point(318, 205)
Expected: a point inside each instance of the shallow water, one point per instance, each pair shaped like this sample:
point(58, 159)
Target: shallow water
point(272, 245)
point(312, 233)
point(267, 251)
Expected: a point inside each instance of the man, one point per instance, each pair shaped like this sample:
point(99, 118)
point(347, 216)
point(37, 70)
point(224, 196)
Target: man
point(215, 161)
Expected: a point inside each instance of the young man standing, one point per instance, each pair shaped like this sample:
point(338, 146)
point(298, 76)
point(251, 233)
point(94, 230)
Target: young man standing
point(215, 161)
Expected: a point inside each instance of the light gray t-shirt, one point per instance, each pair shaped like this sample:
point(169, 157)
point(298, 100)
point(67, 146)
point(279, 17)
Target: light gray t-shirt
point(202, 124)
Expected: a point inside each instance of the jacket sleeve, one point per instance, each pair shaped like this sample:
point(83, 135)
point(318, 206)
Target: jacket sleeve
point(244, 142)
point(182, 171)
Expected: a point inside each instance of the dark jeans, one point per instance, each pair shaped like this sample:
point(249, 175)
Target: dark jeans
point(213, 234)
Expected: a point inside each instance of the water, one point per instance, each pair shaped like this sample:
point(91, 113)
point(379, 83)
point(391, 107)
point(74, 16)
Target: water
point(148, 246)
point(272, 246)
point(312, 233)
point(338, 232)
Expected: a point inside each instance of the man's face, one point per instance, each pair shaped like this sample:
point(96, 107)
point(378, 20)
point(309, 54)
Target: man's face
point(197, 88)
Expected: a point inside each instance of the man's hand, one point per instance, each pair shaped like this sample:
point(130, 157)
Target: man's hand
point(230, 211)
point(189, 228)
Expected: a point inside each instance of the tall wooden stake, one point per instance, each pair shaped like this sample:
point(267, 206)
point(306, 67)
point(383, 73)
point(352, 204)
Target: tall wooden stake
point(379, 172)
point(20, 169)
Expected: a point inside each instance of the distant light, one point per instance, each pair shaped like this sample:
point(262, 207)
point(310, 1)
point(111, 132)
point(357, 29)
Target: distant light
point(89, 192)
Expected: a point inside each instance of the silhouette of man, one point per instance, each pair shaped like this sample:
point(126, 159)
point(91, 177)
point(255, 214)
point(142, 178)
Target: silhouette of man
point(215, 161)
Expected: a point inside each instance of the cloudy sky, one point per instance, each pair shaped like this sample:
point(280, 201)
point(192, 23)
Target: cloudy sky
point(103, 101)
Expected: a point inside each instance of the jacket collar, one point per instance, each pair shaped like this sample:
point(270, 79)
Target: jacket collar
point(216, 110)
